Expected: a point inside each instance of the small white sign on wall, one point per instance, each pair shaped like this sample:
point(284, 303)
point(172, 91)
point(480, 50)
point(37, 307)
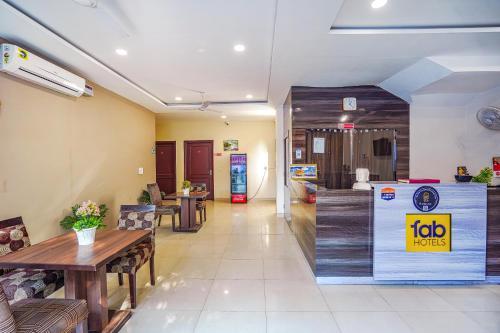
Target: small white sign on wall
point(298, 154)
point(319, 145)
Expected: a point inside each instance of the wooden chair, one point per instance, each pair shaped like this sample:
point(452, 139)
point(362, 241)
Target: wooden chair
point(161, 209)
point(43, 315)
point(24, 283)
point(135, 217)
point(201, 204)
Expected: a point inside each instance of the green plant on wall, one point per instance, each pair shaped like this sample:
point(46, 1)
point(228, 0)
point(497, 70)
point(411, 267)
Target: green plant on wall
point(145, 198)
point(186, 184)
point(484, 176)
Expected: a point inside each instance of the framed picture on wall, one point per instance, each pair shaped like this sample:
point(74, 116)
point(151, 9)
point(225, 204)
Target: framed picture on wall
point(319, 145)
point(303, 171)
point(496, 167)
point(231, 145)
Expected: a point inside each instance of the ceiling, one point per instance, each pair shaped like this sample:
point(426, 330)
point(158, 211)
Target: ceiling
point(420, 13)
point(178, 47)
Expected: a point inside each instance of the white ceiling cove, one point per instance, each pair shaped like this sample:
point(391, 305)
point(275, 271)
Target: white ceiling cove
point(420, 13)
point(178, 47)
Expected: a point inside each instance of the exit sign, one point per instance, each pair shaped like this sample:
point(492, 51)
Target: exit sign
point(346, 126)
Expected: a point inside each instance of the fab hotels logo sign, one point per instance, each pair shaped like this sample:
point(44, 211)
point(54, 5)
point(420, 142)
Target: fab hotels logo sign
point(428, 232)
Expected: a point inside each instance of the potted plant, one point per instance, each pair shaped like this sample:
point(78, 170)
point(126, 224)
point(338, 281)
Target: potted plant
point(145, 198)
point(186, 187)
point(484, 176)
point(85, 219)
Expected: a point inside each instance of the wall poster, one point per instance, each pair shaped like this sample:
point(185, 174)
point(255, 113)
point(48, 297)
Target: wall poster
point(231, 145)
point(319, 145)
point(496, 167)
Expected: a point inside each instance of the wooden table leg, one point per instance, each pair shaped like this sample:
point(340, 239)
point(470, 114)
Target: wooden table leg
point(184, 225)
point(92, 287)
point(97, 299)
point(74, 288)
point(192, 213)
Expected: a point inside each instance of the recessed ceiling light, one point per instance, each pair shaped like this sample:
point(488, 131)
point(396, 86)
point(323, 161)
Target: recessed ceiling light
point(249, 96)
point(121, 52)
point(178, 98)
point(378, 3)
point(343, 118)
point(223, 116)
point(239, 47)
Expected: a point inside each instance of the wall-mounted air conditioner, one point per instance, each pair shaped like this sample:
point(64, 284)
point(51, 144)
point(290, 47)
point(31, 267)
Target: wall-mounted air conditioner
point(25, 65)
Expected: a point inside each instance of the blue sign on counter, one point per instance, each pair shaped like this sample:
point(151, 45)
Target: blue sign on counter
point(387, 193)
point(426, 198)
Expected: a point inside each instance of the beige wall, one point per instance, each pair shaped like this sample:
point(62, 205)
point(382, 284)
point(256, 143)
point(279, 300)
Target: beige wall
point(256, 138)
point(57, 150)
point(457, 138)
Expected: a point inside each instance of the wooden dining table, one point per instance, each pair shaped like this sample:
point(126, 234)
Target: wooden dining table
point(84, 269)
point(188, 209)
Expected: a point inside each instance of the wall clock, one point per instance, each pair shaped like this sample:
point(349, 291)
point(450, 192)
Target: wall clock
point(349, 104)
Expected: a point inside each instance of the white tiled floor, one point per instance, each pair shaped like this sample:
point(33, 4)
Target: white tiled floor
point(244, 273)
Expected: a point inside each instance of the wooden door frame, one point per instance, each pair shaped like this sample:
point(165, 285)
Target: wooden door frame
point(186, 142)
point(175, 160)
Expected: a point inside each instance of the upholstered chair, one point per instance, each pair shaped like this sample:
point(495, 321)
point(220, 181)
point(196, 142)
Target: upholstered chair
point(162, 209)
point(43, 315)
point(135, 217)
point(201, 203)
point(24, 283)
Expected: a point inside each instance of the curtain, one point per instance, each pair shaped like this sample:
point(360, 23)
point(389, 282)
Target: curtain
point(347, 150)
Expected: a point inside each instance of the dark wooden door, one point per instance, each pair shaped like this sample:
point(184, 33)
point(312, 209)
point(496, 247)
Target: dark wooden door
point(199, 163)
point(165, 166)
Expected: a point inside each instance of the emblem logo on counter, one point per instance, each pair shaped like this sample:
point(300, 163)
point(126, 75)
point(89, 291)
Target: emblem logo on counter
point(426, 198)
point(387, 193)
point(428, 232)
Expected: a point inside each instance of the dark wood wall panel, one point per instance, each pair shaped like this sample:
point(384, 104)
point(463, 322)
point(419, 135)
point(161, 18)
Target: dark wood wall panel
point(344, 234)
point(403, 153)
point(299, 142)
point(318, 108)
point(303, 222)
point(493, 239)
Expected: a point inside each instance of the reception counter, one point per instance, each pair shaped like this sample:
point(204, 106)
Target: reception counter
point(351, 236)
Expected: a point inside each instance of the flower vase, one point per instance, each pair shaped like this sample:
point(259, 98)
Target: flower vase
point(86, 236)
point(185, 191)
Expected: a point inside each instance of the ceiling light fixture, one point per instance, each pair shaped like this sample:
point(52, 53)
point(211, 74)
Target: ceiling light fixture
point(223, 116)
point(378, 3)
point(121, 52)
point(249, 96)
point(239, 47)
point(343, 118)
point(178, 98)
point(87, 3)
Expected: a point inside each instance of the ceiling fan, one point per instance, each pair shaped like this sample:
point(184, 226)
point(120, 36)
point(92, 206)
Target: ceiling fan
point(205, 105)
point(489, 117)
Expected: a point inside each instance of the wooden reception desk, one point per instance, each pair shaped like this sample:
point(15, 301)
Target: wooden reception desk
point(336, 233)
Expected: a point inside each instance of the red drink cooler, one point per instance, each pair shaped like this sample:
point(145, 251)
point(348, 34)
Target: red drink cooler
point(238, 169)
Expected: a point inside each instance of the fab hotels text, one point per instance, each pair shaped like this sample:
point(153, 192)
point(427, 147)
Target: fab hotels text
point(428, 232)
